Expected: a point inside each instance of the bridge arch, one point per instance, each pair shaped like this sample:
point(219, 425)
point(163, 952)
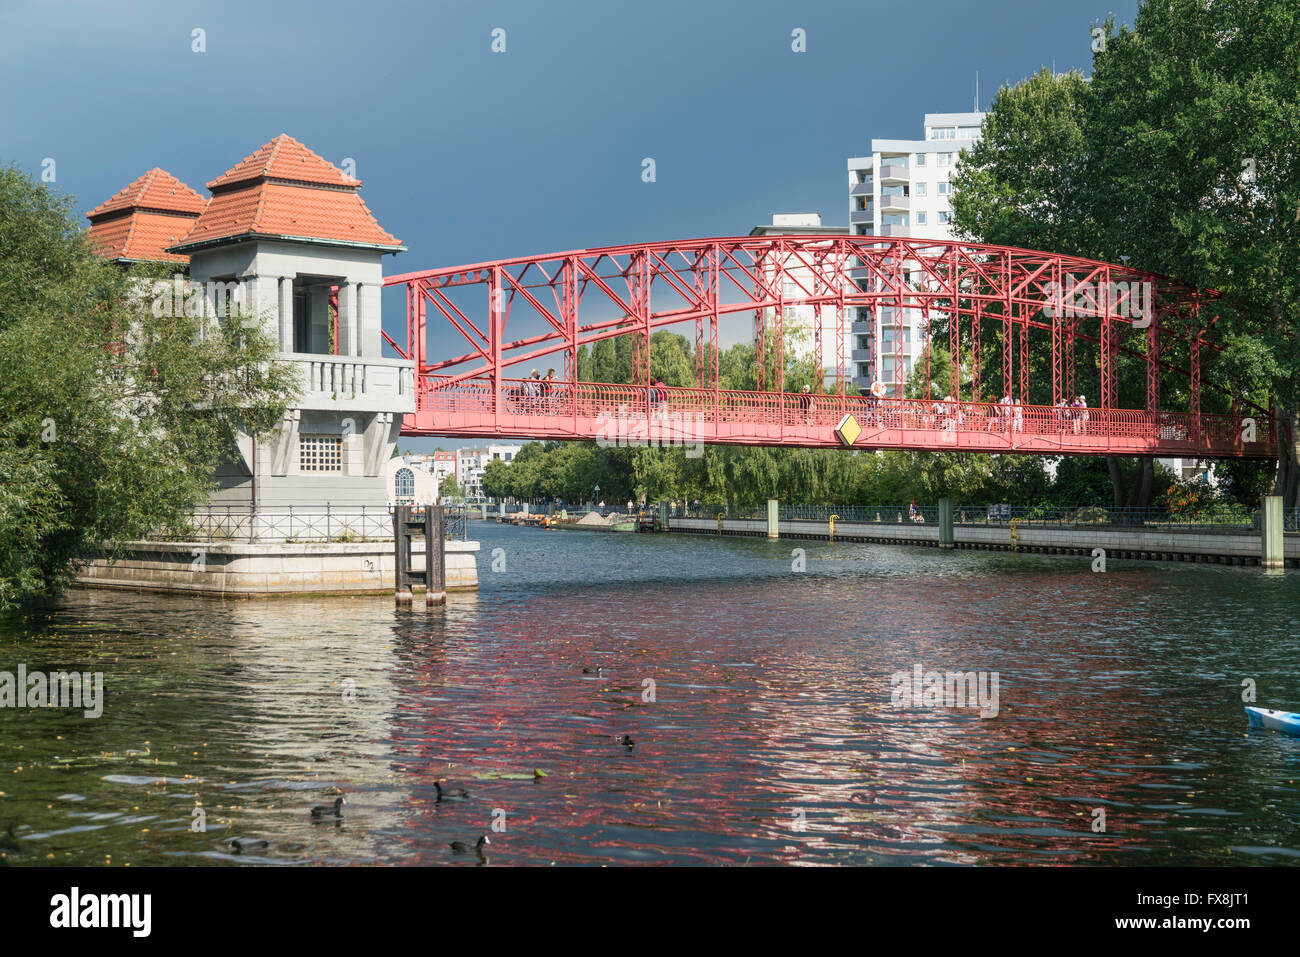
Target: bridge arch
point(1043, 312)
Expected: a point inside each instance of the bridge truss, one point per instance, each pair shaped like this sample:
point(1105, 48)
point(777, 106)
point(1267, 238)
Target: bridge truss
point(1031, 329)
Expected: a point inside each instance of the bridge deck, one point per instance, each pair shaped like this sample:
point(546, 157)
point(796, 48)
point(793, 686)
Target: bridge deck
point(624, 415)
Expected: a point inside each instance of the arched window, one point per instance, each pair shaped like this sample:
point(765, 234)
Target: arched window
point(404, 486)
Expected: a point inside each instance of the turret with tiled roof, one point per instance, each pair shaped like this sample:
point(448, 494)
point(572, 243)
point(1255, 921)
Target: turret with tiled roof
point(285, 191)
point(140, 222)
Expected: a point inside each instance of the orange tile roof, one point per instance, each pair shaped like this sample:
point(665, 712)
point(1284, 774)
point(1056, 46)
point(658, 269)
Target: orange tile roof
point(284, 158)
point(142, 220)
point(156, 189)
point(141, 235)
point(286, 190)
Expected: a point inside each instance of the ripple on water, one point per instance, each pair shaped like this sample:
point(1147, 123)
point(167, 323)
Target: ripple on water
point(770, 735)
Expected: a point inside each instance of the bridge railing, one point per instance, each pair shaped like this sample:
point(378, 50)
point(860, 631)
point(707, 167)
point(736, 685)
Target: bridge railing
point(707, 410)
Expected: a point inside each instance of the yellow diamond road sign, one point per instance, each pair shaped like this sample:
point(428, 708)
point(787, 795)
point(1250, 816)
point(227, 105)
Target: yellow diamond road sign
point(848, 430)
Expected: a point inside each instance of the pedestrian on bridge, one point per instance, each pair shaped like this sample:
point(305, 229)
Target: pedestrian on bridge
point(532, 389)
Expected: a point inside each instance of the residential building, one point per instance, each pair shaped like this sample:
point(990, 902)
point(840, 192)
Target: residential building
point(505, 453)
point(902, 188)
point(804, 336)
point(470, 464)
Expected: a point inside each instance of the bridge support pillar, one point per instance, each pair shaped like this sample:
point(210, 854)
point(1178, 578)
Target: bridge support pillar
point(773, 518)
point(946, 538)
point(1272, 554)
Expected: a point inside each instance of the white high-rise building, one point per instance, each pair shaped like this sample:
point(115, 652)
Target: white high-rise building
point(800, 322)
point(903, 189)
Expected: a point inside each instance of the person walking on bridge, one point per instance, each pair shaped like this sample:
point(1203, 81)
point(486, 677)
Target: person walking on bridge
point(532, 390)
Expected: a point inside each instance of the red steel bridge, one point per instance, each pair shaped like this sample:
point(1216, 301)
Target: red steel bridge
point(1091, 326)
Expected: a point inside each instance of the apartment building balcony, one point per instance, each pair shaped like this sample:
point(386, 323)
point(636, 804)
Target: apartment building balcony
point(865, 188)
point(864, 328)
point(866, 216)
point(863, 355)
point(896, 202)
point(894, 172)
point(354, 383)
point(894, 231)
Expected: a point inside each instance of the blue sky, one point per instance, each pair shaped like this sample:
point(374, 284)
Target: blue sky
point(469, 155)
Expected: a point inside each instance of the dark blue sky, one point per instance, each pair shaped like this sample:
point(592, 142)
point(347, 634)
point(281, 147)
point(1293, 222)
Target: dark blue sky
point(469, 155)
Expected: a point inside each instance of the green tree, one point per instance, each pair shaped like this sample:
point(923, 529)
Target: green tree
point(450, 488)
point(497, 479)
point(113, 419)
point(1180, 154)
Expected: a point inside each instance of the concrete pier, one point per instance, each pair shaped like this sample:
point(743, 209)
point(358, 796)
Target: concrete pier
point(1271, 540)
point(263, 569)
point(773, 519)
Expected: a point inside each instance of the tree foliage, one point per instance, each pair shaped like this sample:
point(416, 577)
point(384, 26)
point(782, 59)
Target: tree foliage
point(112, 419)
point(1179, 154)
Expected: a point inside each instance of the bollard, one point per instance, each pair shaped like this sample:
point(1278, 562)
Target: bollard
point(435, 556)
point(1272, 554)
point(946, 538)
point(402, 555)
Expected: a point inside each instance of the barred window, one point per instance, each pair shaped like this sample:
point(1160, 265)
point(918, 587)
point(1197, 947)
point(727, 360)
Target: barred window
point(320, 453)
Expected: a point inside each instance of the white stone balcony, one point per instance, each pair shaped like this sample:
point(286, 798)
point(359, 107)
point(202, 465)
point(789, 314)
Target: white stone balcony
point(354, 383)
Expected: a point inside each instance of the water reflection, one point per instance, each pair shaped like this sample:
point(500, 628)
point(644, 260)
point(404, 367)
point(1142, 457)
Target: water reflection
point(770, 736)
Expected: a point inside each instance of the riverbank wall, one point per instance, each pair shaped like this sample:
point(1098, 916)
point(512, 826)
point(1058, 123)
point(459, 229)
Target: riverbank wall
point(1227, 548)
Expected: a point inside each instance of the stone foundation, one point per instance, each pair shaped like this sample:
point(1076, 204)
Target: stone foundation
point(249, 570)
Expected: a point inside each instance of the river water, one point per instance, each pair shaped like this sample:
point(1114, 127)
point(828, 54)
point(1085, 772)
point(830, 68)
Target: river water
point(757, 698)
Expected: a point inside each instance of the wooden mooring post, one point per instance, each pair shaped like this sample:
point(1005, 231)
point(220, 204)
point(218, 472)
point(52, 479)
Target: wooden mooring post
point(409, 522)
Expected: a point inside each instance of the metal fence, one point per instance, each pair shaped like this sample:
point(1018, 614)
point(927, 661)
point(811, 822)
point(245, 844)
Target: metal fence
point(304, 523)
point(1216, 518)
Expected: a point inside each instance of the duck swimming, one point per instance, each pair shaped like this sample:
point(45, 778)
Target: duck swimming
point(460, 847)
point(593, 671)
point(241, 844)
point(450, 794)
point(329, 810)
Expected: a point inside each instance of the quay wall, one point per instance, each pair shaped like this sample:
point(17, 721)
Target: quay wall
point(1233, 548)
point(248, 570)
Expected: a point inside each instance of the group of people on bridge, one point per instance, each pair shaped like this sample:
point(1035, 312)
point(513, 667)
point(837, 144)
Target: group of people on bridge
point(547, 395)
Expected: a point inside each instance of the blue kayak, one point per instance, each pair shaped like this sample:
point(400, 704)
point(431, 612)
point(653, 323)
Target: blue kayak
point(1288, 722)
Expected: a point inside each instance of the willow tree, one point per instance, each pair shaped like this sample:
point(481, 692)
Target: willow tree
point(112, 419)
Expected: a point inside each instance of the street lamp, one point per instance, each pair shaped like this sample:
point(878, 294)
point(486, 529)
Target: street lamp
point(595, 501)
